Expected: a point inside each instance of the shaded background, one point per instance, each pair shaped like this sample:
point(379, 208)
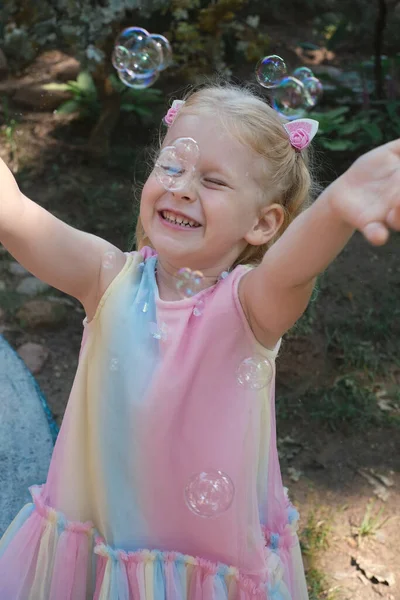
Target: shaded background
point(80, 148)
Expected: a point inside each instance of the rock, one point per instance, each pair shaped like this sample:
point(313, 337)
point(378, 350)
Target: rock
point(34, 356)
point(41, 313)
point(66, 69)
point(2, 286)
point(16, 269)
point(374, 572)
point(3, 65)
point(31, 286)
point(26, 442)
point(35, 97)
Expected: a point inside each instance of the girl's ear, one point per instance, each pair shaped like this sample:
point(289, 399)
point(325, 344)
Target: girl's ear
point(267, 225)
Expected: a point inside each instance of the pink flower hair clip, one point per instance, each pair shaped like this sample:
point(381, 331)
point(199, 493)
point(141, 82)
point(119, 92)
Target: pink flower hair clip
point(301, 132)
point(173, 112)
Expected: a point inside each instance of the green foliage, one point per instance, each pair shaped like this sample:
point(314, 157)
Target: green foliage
point(84, 94)
point(343, 130)
point(314, 539)
point(371, 523)
point(85, 97)
point(142, 103)
point(85, 28)
point(210, 37)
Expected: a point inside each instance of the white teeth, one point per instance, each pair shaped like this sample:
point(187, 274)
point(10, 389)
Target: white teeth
point(172, 218)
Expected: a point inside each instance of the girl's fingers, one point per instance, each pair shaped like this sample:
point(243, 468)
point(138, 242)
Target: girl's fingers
point(376, 233)
point(393, 218)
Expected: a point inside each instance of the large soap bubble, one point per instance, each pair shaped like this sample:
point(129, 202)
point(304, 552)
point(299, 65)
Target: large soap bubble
point(314, 90)
point(139, 57)
point(209, 494)
point(165, 48)
point(176, 164)
point(255, 372)
point(302, 73)
point(188, 282)
point(290, 98)
point(270, 70)
point(137, 83)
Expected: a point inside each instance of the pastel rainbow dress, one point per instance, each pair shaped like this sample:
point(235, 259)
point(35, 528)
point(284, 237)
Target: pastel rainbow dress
point(155, 400)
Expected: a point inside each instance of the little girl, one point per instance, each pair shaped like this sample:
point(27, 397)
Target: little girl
point(164, 482)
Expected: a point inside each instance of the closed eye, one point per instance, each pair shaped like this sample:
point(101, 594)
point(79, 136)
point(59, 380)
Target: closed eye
point(216, 182)
point(171, 170)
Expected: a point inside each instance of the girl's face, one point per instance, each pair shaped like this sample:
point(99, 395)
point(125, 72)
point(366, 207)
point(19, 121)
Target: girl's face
point(223, 199)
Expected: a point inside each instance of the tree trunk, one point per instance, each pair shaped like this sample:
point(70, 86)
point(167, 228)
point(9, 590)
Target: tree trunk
point(100, 137)
point(379, 29)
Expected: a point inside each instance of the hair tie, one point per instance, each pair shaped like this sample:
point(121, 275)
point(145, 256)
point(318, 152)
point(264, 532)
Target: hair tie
point(301, 132)
point(173, 112)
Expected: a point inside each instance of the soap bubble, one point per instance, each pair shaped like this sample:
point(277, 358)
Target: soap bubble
point(159, 332)
point(120, 58)
point(109, 260)
point(131, 37)
point(135, 83)
point(302, 73)
point(165, 48)
point(314, 90)
point(290, 98)
point(209, 494)
point(255, 373)
point(270, 70)
point(199, 308)
point(188, 282)
point(175, 166)
point(145, 59)
point(114, 364)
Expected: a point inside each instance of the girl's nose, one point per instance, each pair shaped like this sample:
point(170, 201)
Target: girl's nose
point(187, 194)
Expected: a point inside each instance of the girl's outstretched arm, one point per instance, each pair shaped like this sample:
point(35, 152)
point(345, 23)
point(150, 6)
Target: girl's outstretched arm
point(65, 258)
point(364, 198)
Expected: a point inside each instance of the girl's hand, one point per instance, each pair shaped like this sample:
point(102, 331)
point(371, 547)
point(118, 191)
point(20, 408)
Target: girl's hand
point(367, 196)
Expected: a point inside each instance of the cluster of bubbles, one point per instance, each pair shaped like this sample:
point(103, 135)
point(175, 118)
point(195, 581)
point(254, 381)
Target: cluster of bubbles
point(209, 493)
point(292, 95)
point(176, 164)
point(139, 57)
point(188, 282)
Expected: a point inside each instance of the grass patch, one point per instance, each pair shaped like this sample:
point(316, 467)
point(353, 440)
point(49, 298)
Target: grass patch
point(371, 523)
point(314, 538)
point(347, 402)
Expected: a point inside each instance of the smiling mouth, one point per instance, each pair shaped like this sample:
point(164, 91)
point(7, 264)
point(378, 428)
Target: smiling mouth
point(179, 220)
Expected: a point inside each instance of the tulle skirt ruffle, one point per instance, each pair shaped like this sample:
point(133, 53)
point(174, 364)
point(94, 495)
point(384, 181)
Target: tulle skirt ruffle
point(43, 556)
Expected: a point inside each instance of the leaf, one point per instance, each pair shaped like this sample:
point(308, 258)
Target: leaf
point(56, 87)
point(86, 83)
point(143, 112)
point(349, 128)
point(374, 131)
point(339, 35)
point(69, 107)
point(308, 46)
point(336, 145)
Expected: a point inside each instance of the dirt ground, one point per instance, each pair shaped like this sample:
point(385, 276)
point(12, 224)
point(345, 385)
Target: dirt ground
point(335, 458)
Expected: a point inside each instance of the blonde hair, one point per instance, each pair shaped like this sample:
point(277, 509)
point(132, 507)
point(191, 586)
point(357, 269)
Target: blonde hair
point(257, 125)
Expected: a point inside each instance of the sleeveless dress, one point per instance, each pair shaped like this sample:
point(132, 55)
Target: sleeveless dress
point(166, 396)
